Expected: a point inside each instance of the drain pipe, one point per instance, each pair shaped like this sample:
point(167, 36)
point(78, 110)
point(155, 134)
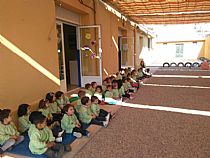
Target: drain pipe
point(93, 9)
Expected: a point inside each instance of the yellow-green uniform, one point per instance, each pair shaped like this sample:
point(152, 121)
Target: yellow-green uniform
point(134, 77)
point(54, 108)
point(126, 86)
point(119, 77)
point(104, 88)
point(62, 102)
point(140, 74)
point(88, 93)
point(78, 106)
point(6, 131)
point(46, 112)
point(95, 109)
point(24, 123)
point(122, 91)
point(116, 93)
point(39, 139)
point(98, 95)
point(85, 114)
point(69, 122)
point(108, 94)
point(92, 90)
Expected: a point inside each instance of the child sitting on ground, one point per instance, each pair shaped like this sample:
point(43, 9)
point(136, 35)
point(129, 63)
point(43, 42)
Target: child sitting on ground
point(61, 99)
point(140, 74)
point(23, 118)
point(93, 87)
point(109, 80)
point(125, 72)
point(118, 76)
point(122, 92)
point(133, 75)
point(126, 84)
point(87, 117)
point(95, 109)
point(104, 84)
point(98, 93)
point(42, 140)
point(81, 94)
point(115, 90)
point(51, 122)
point(108, 92)
point(9, 135)
point(53, 106)
point(131, 89)
point(70, 123)
point(88, 89)
point(45, 110)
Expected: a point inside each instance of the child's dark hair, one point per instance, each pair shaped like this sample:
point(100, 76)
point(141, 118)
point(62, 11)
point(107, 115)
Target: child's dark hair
point(92, 83)
point(58, 94)
point(84, 100)
point(124, 79)
point(139, 69)
point(99, 87)
point(36, 117)
point(42, 104)
point(108, 86)
point(133, 72)
point(81, 93)
point(87, 85)
point(93, 98)
point(4, 114)
point(106, 79)
point(49, 96)
point(114, 81)
point(33, 115)
point(120, 83)
point(66, 107)
point(22, 109)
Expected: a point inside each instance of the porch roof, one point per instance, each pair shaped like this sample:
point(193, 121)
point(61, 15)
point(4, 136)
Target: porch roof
point(164, 11)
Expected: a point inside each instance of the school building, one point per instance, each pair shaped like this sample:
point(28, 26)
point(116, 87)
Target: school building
point(48, 45)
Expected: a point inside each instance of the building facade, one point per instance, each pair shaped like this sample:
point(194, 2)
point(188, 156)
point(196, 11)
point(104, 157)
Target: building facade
point(63, 44)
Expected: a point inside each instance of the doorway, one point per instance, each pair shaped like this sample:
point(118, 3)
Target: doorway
point(126, 51)
point(119, 53)
point(68, 56)
point(71, 63)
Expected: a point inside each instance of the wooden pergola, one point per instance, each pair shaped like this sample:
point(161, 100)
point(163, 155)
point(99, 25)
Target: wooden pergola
point(164, 11)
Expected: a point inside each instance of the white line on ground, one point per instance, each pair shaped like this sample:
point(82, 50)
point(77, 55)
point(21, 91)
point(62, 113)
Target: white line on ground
point(175, 86)
point(180, 76)
point(183, 70)
point(169, 109)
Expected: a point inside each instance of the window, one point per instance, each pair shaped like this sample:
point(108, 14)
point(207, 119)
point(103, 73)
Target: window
point(179, 50)
point(149, 43)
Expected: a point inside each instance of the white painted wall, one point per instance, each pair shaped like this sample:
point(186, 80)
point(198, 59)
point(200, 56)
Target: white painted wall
point(167, 53)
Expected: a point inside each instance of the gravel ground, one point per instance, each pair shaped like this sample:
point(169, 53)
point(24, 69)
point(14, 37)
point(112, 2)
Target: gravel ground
point(137, 133)
point(183, 72)
point(205, 82)
point(188, 98)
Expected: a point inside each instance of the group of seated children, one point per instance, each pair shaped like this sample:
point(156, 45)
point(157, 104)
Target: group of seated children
point(56, 116)
point(46, 126)
point(119, 86)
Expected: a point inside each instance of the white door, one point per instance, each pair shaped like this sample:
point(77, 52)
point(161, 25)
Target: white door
point(127, 51)
point(90, 54)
